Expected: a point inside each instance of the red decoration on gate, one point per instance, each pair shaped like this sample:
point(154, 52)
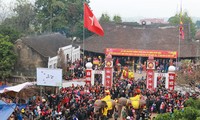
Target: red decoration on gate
point(108, 77)
point(171, 83)
point(150, 79)
point(88, 76)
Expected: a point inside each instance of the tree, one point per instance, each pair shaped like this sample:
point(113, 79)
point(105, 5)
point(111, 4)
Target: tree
point(190, 112)
point(50, 14)
point(191, 78)
point(175, 20)
point(25, 15)
point(7, 56)
point(23, 18)
point(104, 18)
point(64, 16)
point(11, 32)
point(117, 19)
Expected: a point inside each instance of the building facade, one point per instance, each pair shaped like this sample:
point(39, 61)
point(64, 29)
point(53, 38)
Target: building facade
point(71, 53)
point(42, 52)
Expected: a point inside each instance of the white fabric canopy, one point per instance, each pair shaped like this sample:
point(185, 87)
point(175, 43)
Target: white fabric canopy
point(17, 88)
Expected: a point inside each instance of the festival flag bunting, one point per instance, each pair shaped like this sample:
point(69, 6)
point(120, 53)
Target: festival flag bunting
point(91, 22)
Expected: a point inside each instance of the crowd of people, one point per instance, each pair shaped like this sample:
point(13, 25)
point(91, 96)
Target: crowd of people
point(77, 102)
point(136, 65)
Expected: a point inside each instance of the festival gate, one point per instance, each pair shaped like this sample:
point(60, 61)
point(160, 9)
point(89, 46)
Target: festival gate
point(165, 78)
point(150, 63)
point(107, 73)
point(90, 74)
point(168, 79)
point(161, 78)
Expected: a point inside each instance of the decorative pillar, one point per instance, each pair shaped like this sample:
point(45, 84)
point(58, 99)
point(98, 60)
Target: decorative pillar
point(108, 71)
point(171, 81)
point(150, 73)
point(88, 73)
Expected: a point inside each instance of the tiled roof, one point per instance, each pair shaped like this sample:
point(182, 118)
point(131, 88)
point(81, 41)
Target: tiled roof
point(47, 45)
point(197, 36)
point(143, 38)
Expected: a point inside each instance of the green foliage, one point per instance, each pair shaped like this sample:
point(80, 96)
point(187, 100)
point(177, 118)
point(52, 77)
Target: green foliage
point(64, 16)
point(191, 112)
point(178, 114)
point(50, 14)
point(165, 116)
point(175, 20)
point(117, 19)
point(7, 56)
point(104, 18)
point(23, 18)
point(11, 32)
point(79, 31)
point(193, 103)
point(198, 118)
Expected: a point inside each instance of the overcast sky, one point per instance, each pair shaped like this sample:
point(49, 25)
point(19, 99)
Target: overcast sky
point(141, 8)
point(144, 8)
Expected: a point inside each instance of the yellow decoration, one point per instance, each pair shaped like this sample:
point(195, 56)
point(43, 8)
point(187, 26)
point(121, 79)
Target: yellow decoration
point(125, 73)
point(135, 101)
point(108, 101)
point(130, 74)
point(96, 62)
point(105, 111)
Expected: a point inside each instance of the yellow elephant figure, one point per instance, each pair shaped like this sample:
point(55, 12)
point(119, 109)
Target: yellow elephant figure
point(108, 101)
point(135, 101)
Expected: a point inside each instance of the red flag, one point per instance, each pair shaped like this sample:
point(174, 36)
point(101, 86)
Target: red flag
point(91, 22)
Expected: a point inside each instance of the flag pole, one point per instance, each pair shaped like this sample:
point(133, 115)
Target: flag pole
point(179, 48)
point(83, 37)
point(179, 39)
point(83, 44)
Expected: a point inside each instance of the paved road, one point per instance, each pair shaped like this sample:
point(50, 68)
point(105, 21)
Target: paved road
point(137, 75)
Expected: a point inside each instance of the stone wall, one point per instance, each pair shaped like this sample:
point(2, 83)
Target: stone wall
point(27, 60)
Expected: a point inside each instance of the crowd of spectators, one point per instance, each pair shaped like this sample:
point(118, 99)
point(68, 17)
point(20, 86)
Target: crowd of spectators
point(77, 102)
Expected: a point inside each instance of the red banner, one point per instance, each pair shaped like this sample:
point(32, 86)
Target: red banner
point(108, 77)
point(141, 53)
point(150, 79)
point(171, 81)
point(88, 76)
